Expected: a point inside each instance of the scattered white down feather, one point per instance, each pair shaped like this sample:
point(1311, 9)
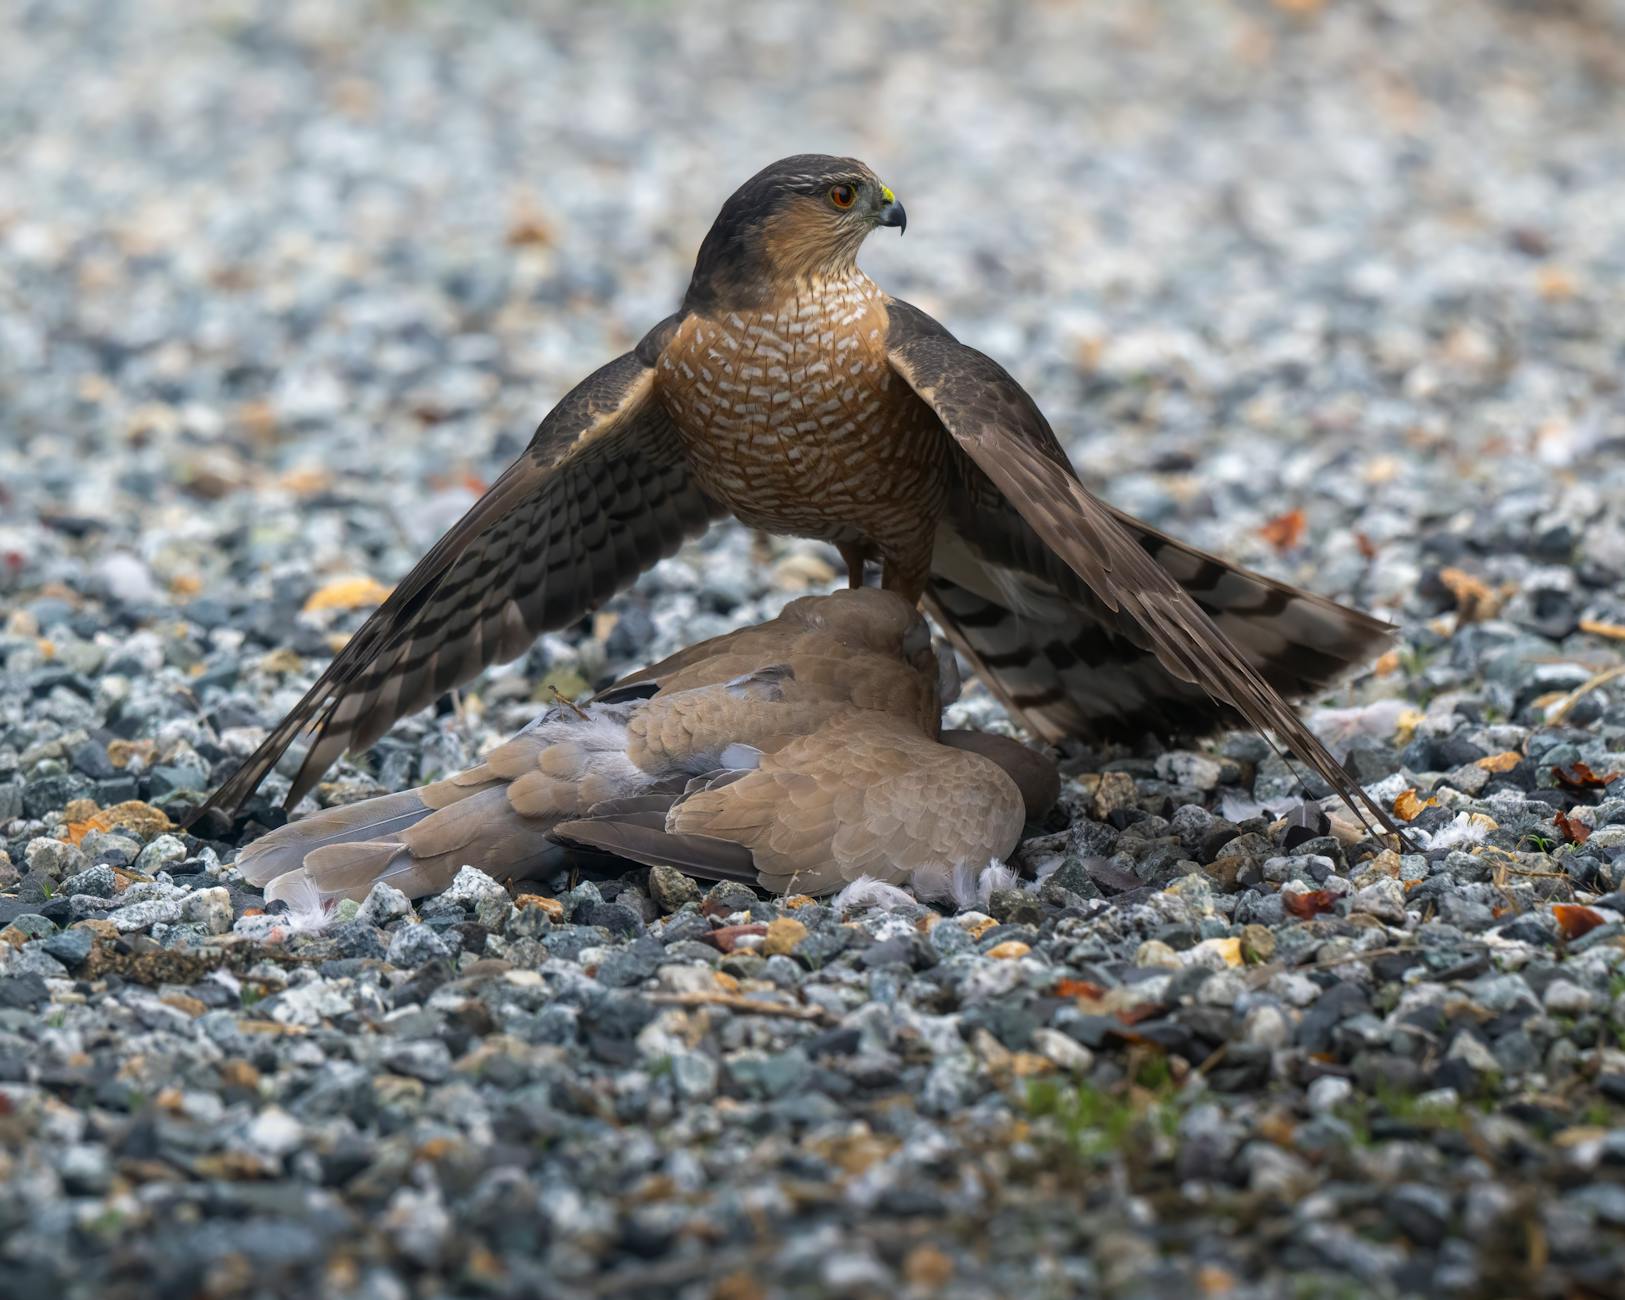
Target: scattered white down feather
point(307, 912)
point(1467, 828)
point(966, 886)
point(866, 891)
point(995, 876)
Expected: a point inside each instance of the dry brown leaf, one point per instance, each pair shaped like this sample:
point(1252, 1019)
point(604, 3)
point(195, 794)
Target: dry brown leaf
point(347, 593)
point(1575, 920)
point(1614, 631)
point(1555, 283)
point(1285, 531)
point(1475, 599)
point(140, 817)
point(1574, 830)
point(552, 907)
point(728, 937)
point(528, 228)
point(1505, 761)
point(1309, 905)
point(1408, 807)
point(1579, 776)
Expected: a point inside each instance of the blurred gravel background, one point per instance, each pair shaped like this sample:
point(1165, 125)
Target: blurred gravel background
point(1333, 288)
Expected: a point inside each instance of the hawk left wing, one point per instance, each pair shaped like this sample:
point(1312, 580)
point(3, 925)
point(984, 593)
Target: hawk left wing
point(993, 420)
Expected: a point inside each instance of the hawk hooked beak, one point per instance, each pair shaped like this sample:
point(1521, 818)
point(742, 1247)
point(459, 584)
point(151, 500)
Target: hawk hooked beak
point(891, 212)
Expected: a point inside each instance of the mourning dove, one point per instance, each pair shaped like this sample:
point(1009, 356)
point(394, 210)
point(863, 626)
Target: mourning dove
point(800, 754)
point(790, 391)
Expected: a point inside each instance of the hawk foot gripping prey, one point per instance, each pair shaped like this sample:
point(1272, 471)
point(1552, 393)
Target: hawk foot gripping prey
point(802, 755)
point(790, 391)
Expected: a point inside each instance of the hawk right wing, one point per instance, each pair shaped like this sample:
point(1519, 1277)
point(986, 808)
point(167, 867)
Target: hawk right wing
point(602, 493)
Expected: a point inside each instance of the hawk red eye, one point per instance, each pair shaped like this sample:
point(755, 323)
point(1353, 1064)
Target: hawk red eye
point(843, 196)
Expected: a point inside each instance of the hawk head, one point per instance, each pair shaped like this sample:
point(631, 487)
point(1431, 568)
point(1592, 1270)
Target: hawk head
point(798, 218)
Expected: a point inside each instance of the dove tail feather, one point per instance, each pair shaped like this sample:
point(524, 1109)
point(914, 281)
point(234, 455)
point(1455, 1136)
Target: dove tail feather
point(286, 848)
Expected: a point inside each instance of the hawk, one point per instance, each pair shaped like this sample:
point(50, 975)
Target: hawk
point(792, 392)
point(802, 754)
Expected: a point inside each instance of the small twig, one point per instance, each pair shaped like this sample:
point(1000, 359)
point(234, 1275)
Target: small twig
point(1506, 862)
point(738, 1002)
point(559, 698)
point(1524, 871)
point(1563, 708)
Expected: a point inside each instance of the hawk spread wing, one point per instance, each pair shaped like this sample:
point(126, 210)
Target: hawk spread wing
point(1132, 602)
point(601, 494)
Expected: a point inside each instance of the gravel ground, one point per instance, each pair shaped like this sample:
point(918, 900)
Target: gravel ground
point(1335, 290)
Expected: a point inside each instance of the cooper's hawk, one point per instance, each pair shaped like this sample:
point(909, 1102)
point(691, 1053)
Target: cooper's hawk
point(792, 392)
point(798, 754)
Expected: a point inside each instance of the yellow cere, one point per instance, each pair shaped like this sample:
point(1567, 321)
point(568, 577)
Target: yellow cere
point(885, 193)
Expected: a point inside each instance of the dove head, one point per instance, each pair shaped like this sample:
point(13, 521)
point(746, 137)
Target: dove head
point(868, 618)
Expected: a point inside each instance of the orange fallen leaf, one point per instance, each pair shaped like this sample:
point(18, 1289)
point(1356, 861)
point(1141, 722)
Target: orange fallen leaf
point(1555, 283)
point(1579, 776)
point(347, 593)
point(1075, 988)
point(1502, 762)
point(550, 907)
point(1575, 920)
point(1309, 905)
point(1574, 830)
point(1407, 807)
point(1285, 531)
point(140, 817)
point(1475, 599)
point(528, 227)
point(306, 480)
point(1386, 663)
point(1615, 631)
point(728, 937)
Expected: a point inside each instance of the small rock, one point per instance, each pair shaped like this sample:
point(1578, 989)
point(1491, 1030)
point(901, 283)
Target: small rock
point(163, 853)
point(671, 889)
point(54, 859)
point(383, 904)
point(70, 947)
point(97, 882)
point(1065, 1052)
point(23, 992)
point(210, 908)
point(428, 1059)
point(146, 914)
point(1566, 998)
point(1385, 900)
point(1267, 1026)
point(1328, 1092)
point(413, 944)
point(1115, 791)
point(471, 887)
